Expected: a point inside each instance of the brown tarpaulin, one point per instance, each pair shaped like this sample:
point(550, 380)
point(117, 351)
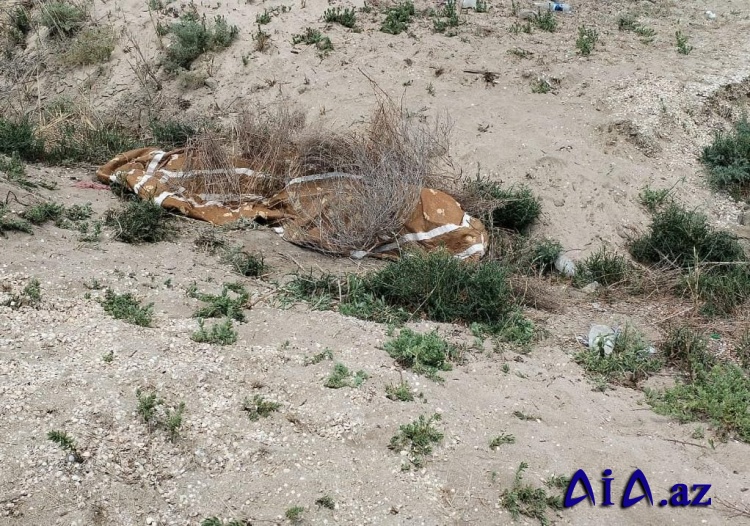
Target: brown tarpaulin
point(298, 212)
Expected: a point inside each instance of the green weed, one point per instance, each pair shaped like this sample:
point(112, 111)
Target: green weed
point(398, 18)
point(606, 268)
point(230, 303)
point(727, 160)
point(66, 443)
point(523, 499)
point(258, 407)
point(127, 307)
point(139, 221)
point(220, 333)
point(401, 392)
point(425, 354)
point(683, 48)
point(325, 354)
point(417, 438)
point(192, 37)
point(586, 41)
point(244, 263)
point(313, 37)
point(347, 17)
point(326, 502)
point(652, 199)
point(545, 20)
point(294, 514)
point(63, 19)
point(514, 208)
point(501, 439)
point(341, 376)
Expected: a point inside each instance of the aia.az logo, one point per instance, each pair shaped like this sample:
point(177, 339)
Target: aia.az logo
point(679, 494)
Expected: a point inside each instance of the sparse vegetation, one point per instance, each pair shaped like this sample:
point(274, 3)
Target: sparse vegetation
point(445, 18)
point(398, 18)
point(18, 138)
point(683, 48)
point(230, 303)
point(514, 208)
point(341, 376)
point(9, 224)
point(523, 499)
point(313, 37)
point(156, 413)
point(417, 438)
point(127, 307)
point(66, 443)
point(727, 160)
point(262, 40)
point(139, 221)
point(325, 354)
point(170, 134)
point(326, 502)
point(401, 392)
point(545, 20)
point(244, 263)
point(629, 363)
point(586, 41)
point(220, 333)
point(652, 199)
point(426, 354)
point(91, 46)
point(630, 23)
point(541, 85)
point(192, 37)
point(606, 268)
point(501, 439)
point(294, 514)
point(347, 17)
point(63, 19)
point(525, 416)
point(258, 407)
point(43, 212)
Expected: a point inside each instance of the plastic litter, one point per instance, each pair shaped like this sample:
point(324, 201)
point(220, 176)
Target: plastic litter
point(554, 6)
point(565, 266)
point(710, 15)
point(602, 339)
point(469, 4)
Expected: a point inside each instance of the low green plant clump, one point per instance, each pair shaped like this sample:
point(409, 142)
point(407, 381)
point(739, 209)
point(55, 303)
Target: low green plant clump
point(715, 266)
point(629, 362)
point(501, 439)
point(66, 443)
point(435, 285)
point(417, 438)
point(230, 303)
point(157, 413)
point(18, 139)
point(347, 17)
point(219, 333)
point(425, 354)
point(10, 224)
point(446, 18)
point(401, 392)
point(30, 296)
point(258, 407)
point(63, 19)
point(606, 268)
point(727, 160)
point(91, 46)
point(513, 208)
point(313, 37)
point(139, 221)
point(326, 502)
point(215, 521)
point(325, 354)
point(545, 20)
point(687, 349)
point(683, 48)
point(341, 376)
point(652, 199)
point(192, 37)
point(244, 263)
point(127, 307)
point(586, 41)
point(398, 18)
point(170, 134)
point(524, 499)
point(19, 26)
point(294, 514)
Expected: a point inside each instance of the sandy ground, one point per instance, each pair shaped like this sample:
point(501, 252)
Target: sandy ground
point(629, 115)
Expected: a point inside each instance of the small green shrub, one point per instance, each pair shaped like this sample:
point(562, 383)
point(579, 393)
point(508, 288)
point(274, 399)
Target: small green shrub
point(683, 48)
point(81, 142)
point(171, 134)
point(92, 46)
point(294, 514)
point(652, 199)
point(244, 263)
point(629, 363)
point(446, 17)
point(341, 376)
point(545, 20)
point(66, 443)
point(326, 502)
point(43, 212)
point(684, 238)
point(720, 395)
point(220, 333)
point(543, 254)
point(347, 17)
point(127, 307)
point(313, 37)
point(426, 354)
point(541, 85)
point(627, 23)
point(263, 18)
point(586, 41)
point(722, 288)
point(19, 25)
point(514, 208)
point(325, 354)
point(727, 160)
point(18, 137)
point(688, 350)
point(401, 392)
point(417, 438)
point(147, 404)
point(63, 19)
point(258, 407)
point(12, 224)
point(604, 267)
point(192, 37)
point(223, 305)
point(398, 18)
point(502, 439)
point(139, 221)
point(156, 413)
point(523, 499)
